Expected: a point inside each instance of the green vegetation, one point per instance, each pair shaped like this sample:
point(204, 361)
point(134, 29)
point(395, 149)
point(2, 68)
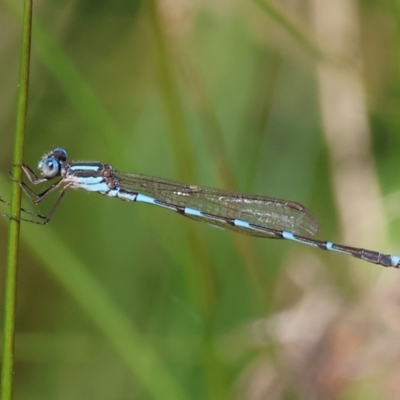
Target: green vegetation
point(128, 301)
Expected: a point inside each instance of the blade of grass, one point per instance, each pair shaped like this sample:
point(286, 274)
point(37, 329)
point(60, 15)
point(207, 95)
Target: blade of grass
point(183, 155)
point(13, 237)
point(170, 97)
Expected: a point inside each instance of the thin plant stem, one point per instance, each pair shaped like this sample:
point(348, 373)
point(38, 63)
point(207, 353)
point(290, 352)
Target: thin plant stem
point(13, 238)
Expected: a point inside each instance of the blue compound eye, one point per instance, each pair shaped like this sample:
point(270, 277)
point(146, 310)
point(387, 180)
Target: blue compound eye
point(50, 167)
point(50, 164)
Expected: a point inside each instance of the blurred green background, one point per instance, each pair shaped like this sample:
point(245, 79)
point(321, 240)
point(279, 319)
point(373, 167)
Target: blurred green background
point(128, 301)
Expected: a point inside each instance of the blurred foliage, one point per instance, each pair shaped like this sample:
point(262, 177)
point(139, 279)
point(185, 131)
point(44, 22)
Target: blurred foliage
point(128, 301)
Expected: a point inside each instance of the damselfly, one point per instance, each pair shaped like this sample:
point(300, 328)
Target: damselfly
point(252, 215)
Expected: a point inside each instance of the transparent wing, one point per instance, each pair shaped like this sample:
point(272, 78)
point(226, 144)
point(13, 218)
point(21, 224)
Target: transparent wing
point(221, 206)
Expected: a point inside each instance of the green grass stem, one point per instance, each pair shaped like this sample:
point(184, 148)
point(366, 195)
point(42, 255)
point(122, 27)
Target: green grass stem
point(13, 237)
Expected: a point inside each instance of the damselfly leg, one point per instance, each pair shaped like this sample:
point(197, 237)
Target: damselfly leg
point(24, 210)
point(36, 198)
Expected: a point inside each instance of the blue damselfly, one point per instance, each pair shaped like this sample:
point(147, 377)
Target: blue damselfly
point(252, 215)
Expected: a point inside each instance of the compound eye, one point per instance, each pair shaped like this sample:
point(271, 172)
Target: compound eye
point(50, 167)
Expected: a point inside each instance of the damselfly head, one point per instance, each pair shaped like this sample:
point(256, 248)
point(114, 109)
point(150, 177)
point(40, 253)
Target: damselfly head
point(50, 164)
